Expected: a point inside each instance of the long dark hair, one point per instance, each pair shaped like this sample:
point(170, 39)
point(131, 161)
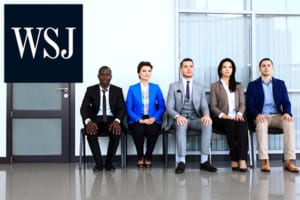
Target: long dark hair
point(232, 81)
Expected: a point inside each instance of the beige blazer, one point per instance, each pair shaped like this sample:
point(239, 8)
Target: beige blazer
point(219, 100)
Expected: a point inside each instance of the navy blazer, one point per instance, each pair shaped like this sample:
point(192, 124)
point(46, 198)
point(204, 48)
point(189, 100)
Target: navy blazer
point(91, 102)
point(135, 107)
point(255, 97)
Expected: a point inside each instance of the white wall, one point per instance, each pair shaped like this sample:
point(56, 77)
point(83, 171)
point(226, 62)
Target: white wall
point(119, 34)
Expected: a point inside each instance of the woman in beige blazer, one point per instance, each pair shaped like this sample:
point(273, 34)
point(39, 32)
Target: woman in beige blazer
point(228, 106)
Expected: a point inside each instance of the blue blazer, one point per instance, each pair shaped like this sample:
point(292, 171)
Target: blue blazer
point(134, 103)
point(255, 97)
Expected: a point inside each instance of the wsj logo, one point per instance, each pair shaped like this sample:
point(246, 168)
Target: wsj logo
point(43, 43)
point(32, 37)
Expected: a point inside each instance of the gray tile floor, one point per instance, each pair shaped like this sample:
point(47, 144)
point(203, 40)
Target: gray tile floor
point(66, 181)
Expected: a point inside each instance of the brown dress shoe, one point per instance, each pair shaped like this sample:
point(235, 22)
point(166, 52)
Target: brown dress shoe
point(180, 168)
point(265, 166)
point(289, 166)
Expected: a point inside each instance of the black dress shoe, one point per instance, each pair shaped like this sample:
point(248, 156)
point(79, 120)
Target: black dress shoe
point(208, 167)
point(180, 168)
point(98, 168)
point(109, 166)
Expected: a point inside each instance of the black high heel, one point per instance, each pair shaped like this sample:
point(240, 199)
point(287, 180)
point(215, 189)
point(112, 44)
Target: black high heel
point(140, 165)
point(243, 169)
point(235, 168)
point(148, 165)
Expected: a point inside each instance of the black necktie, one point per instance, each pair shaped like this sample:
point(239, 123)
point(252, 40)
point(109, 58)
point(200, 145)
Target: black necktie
point(104, 117)
point(187, 92)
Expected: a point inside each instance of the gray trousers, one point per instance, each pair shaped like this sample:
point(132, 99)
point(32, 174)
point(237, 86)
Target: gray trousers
point(181, 134)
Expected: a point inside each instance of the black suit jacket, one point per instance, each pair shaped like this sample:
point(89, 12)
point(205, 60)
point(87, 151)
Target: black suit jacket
point(91, 103)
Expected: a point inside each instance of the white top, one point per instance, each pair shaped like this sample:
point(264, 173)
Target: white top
point(231, 100)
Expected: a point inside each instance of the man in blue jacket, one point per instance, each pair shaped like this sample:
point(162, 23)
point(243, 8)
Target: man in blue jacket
point(269, 106)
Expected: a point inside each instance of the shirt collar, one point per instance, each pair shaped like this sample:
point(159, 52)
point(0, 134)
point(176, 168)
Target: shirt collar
point(267, 82)
point(107, 89)
point(185, 81)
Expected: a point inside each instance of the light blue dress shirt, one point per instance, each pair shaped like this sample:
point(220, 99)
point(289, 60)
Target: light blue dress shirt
point(269, 103)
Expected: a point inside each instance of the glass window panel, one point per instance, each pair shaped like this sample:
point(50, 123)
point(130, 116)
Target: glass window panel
point(280, 5)
point(37, 137)
point(209, 38)
point(33, 96)
point(278, 38)
point(215, 4)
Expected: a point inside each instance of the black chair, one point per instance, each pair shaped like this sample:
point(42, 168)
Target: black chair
point(82, 152)
point(252, 130)
point(172, 131)
point(250, 144)
point(191, 132)
point(161, 132)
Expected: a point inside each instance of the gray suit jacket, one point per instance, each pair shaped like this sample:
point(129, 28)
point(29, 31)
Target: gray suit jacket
point(219, 99)
point(175, 100)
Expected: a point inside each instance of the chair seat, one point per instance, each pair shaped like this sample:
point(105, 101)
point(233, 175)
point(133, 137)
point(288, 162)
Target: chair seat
point(172, 131)
point(82, 152)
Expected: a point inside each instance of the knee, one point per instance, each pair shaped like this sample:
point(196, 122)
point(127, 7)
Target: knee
point(261, 126)
point(288, 124)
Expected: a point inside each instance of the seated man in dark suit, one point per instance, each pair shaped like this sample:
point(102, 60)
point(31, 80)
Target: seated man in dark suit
point(102, 110)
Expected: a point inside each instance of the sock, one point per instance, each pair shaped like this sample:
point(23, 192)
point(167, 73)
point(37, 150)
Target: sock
point(204, 158)
point(180, 159)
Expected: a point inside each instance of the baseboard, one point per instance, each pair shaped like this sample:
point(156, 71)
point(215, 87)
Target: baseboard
point(4, 160)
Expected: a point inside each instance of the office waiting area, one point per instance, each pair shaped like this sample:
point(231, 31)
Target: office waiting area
point(207, 31)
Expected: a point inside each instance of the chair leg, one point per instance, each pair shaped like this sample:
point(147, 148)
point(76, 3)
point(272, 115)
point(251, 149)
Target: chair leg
point(165, 149)
point(210, 156)
point(80, 148)
point(123, 150)
point(250, 149)
point(84, 149)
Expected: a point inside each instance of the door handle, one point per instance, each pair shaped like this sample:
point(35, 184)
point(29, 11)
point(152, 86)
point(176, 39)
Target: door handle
point(63, 89)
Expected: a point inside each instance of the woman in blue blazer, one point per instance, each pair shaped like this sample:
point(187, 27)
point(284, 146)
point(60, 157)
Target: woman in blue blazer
point(145, 107)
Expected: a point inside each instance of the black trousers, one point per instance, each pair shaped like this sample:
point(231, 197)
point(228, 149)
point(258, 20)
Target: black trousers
point(139, 133)
point(112, 145)
point(236, 135)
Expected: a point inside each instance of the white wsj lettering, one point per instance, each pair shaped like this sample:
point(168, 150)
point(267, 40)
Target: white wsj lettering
point(34, 44)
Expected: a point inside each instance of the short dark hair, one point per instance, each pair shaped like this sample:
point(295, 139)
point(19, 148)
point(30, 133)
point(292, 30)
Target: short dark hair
point(104, 68)
point(186, 59)
point(265, 59)
point(143, 63)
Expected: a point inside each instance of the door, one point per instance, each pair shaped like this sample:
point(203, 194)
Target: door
point(39, 122)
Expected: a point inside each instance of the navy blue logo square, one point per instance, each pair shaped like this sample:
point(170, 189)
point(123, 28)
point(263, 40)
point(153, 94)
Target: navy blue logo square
point(43, 43)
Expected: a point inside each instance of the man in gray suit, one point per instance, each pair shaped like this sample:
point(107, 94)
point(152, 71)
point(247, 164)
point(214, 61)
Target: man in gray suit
point(187, 108)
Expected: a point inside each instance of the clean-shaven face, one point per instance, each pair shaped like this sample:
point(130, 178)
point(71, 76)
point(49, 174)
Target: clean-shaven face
point(266, 68)
point(187, 69)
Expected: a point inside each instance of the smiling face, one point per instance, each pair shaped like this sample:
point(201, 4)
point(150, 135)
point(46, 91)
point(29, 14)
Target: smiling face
point(104, 76)
point(145, 73)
